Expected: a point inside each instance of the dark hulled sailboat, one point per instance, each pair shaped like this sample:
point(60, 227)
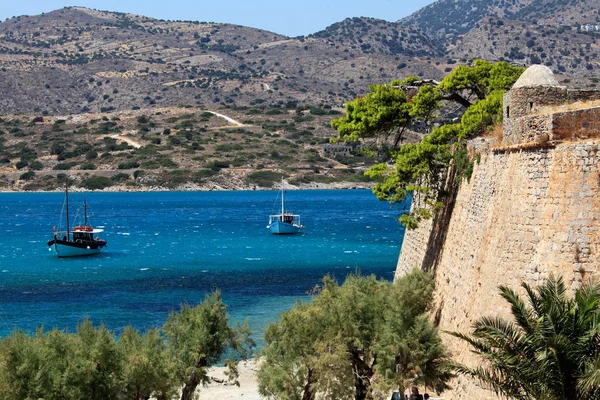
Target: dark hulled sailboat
point(80, 241)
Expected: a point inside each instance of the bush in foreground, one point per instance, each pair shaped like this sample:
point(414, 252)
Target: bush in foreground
point(93, 364)
point(355, 340)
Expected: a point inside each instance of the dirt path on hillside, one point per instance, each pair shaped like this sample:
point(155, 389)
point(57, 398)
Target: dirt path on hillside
point(127, 140)
point(226, 118)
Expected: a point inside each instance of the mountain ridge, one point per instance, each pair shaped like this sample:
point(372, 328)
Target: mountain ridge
point(115, 100)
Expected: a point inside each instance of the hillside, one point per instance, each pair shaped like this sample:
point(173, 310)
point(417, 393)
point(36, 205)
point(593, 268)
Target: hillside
point(378, 36)
point(445, 20)
point(175, 148)
point(80, 60)
point(135, 103)
point(561, 34)
point(560, 12)
point(565, 49)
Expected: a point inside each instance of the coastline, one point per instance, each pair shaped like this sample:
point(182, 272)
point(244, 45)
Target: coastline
point(206, 188)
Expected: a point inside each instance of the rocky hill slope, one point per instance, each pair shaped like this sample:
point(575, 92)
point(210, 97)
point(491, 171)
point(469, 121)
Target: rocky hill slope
point(142, 93)
point(446, 20)
point(78, 60)
point(562, 34)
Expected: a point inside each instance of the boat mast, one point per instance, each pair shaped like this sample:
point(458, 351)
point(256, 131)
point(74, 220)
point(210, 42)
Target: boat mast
point(282, 192)
point(84, 212)
point(67, 203)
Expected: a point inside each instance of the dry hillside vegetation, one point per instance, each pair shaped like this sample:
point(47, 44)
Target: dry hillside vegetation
point(174, 148)
point(122, 101)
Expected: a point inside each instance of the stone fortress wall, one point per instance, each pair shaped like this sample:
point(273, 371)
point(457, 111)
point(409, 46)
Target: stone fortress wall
point(531, 209)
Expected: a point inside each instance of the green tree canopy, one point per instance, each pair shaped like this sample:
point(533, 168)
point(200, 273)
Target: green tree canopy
point(382, 111)
point(93, 364)
point(290, 370)
point(58, 365)
point(148, 368)
point(549, 350)
point(354, 340)
point(198, 337)
point(419, 169)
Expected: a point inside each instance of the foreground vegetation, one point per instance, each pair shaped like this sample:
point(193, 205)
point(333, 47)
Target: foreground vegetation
point(358, 340)
point(549, 351)
point(93, 364)
point(355, 340)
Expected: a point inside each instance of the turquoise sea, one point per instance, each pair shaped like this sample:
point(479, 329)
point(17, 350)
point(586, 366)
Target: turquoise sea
point(168, 248)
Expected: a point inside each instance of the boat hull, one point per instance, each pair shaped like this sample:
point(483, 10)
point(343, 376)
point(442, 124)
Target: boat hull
point(283, 228)
point(71, 250)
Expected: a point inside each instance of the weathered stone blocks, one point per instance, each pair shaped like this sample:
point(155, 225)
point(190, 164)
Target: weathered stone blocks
point(525, 214)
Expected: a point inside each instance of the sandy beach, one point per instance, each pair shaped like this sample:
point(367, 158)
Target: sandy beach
point(220, 389)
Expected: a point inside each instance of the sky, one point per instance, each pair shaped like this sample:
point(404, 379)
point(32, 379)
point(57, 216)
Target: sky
point(284, 17)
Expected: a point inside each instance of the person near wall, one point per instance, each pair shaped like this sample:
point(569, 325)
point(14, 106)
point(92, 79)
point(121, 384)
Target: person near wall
point(414, 394)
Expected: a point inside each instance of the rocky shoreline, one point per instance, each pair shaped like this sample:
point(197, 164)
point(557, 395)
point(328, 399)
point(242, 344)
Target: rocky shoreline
point(191, 187)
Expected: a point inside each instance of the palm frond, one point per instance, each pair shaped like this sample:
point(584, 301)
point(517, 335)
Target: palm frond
point(521, 313)
point(550, 351)
point(589, 381)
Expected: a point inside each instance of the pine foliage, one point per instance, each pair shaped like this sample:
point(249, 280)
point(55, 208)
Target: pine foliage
point(418, 169)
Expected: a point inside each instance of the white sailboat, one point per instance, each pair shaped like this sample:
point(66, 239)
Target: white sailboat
point(284, 223)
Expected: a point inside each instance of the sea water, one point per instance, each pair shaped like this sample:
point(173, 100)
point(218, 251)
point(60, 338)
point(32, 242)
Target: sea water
point(168, 248)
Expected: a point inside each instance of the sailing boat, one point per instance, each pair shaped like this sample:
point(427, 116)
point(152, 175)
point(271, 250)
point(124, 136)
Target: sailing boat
point(284, 223)
point(77, 242)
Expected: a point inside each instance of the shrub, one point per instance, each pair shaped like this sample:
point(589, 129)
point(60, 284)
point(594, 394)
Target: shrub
point(264, 178)
point(303, 118)
point(129, 165)
point(318, 111)
point(218, 165)
point(204, 173)
point(95, 182)
point(88, 166)
point(36, 165)
point(64, 166)
point(120, 177)
point(21, 164)
point(27, 176)
point(226, 148)
point(142, 119)
point(159, 162)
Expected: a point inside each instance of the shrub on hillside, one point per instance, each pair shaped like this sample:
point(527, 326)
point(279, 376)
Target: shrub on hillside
point(95, 182)
point(264, 178)
point(129, 165)
point(36, 165)
point(27, 176)
point(120, 177)
point(64, 166)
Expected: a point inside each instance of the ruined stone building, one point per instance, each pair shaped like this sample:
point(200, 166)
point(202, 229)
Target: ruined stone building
point(530, 209)
point(538, 109)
